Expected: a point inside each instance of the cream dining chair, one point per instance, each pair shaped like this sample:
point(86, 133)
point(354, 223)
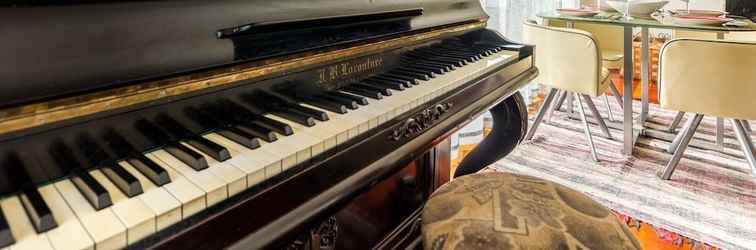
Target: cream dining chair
point(609, 38)
point(694, 34)
point(569, 60)
point(709, 77)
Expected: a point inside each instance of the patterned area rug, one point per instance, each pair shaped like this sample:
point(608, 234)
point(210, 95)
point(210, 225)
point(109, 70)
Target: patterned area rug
point(711, 197)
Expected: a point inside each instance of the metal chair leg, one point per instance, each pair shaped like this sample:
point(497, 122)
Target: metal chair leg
point(720, 133)
point(599, 120)
point(608, 108)
point(745, 142)
point(558, 104)
point(676, 122)
point(616, 93)
point(539, 117)
point(687, 136)
point(587, 130)
point(679, 137)
point(746, 126)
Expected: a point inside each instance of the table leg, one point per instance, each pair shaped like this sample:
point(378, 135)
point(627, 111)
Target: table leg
point(628, 93)
point(570, 102)
point(645, 72)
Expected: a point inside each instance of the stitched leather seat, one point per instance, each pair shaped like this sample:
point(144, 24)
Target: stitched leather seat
point(509, 211)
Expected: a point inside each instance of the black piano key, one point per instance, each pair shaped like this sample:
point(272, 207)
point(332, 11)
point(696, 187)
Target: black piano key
point(327, 104)
point(453, 61)
point(359, 99)
point(385, 83)
point(240, 136)
point(127, 183)
point(445, 67)
point(152, 132)
point(6, 236)
point(437, 71)
point(186, 155)
point(410, 69)
point(317, 114)
point(434, 54)
point(144, 165)
point(357, 91)
point(295, 116)
point(150, 169)
point(208, 147)
point(38, 212)
point(409, 74)
point(203, 118)
point(383, 90)
point(407, 81)
point(97, 157)
point(258, 131)
point(241, 113)
point(218, 152)
point(279, 127)
point(92, 190)
point(213, 116)
point(348, 103)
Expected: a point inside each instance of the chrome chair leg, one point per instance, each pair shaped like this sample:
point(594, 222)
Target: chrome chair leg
point(539, 117)
point(599, 120)
point(616, 93)
point(680, 150)
point(720, 133)
point(746, 126)
point(608, 108)
point(676, 122)
point(745, 142)
point(587, 130)
point(570, 105)
point(558, 104)
point(679, 137)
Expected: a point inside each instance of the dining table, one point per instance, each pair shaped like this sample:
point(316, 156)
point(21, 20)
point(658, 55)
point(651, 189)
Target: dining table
point(659, 20)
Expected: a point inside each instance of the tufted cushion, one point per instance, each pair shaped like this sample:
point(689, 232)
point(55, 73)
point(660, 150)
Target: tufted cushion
point(509, 211)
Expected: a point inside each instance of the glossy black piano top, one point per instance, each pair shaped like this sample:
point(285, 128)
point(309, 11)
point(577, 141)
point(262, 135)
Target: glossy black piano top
point(114, 43)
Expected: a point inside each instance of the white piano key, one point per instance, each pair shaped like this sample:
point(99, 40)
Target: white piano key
point(103, 226)
point(70, 234)
point(234, 177)
point(252, 160)
point(253, 167)
point(21, 228)
point(138, 219)
point(192, 198)
point(166, 208)
point(298, 143)
point(214, 188)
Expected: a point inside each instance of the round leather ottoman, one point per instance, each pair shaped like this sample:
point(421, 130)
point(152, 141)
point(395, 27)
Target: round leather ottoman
point(509, 211)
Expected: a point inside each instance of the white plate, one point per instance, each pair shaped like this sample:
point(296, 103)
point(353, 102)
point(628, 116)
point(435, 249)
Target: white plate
point(576, 12)
point(700, 12)
point(700, 21)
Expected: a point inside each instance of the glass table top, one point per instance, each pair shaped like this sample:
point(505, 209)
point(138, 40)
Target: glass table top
point(664, 21)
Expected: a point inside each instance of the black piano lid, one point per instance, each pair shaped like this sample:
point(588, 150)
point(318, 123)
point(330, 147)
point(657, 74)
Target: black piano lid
point(52, 50)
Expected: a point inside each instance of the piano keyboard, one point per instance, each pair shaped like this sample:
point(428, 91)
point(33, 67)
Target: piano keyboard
point(122, 202)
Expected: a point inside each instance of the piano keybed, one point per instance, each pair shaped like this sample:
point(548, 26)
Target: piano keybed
point(114, 193)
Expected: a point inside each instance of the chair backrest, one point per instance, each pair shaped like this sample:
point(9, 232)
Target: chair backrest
point(566, 58)
point(609, 37)
point(710, 77)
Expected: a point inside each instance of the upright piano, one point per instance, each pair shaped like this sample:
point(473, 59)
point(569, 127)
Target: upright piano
point(242, 124)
